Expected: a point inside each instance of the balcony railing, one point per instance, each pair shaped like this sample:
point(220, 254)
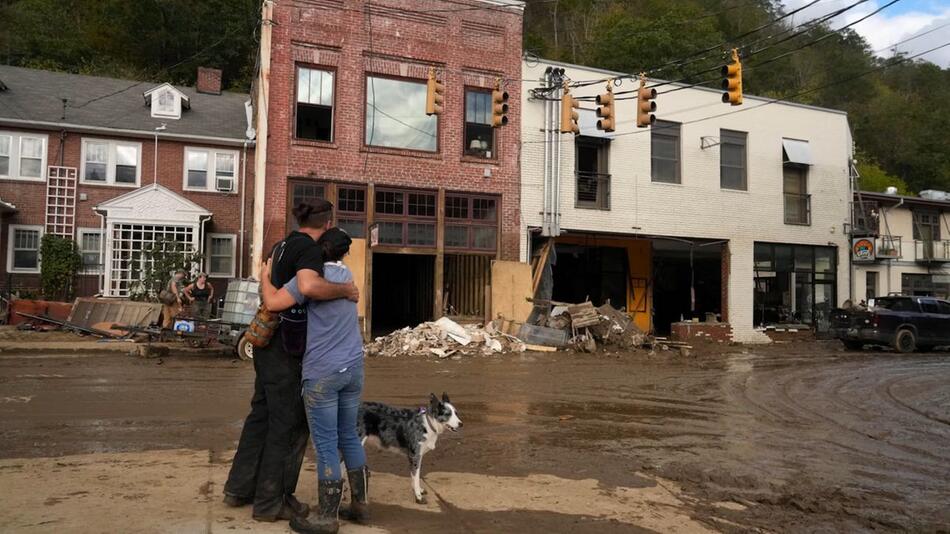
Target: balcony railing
point(593, 191)
point(797, 209)
point(932, 250)
point(889, 247)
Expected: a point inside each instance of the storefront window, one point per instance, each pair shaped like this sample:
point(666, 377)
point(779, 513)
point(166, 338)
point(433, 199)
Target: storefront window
point(794, 284)
point(926, 285)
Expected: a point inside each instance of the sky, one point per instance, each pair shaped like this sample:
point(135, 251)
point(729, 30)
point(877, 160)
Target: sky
point(900, 21)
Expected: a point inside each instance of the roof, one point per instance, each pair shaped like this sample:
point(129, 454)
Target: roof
point(907, 200)
point(611, 73)
point(36, 96)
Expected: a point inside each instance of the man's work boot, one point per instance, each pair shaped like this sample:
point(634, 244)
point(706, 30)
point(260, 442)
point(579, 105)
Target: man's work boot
point(359, 496)
point(299, 508)
point(289, 509)
point(323, 519)
point(235, 501)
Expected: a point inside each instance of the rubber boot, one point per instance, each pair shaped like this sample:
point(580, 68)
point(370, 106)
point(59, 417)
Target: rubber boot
point(359, 496)
point(325, 518)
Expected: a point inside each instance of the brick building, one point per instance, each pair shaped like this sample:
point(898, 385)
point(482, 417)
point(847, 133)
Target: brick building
point(117, 165)
point(345, 89)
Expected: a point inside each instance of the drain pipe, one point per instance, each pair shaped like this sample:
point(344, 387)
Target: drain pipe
point(240, 255)
point(547, 156)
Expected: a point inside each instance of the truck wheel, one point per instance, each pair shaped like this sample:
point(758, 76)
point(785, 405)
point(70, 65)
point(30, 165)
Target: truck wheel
point(853, 345)
point(905, 341)
point(245, 350)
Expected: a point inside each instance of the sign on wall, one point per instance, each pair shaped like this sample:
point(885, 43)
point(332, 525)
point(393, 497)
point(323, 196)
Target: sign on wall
point(862, 249)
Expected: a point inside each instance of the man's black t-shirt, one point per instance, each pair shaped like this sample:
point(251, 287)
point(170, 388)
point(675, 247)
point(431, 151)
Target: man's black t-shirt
point(297, 251)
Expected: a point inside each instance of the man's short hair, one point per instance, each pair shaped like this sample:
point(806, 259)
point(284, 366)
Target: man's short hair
point(313, 213)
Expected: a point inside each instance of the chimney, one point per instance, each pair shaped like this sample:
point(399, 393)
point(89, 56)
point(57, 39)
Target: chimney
point(209, 81)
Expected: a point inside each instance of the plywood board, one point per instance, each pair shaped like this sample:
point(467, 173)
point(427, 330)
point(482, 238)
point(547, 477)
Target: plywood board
point(356, 262)
point(511, 285)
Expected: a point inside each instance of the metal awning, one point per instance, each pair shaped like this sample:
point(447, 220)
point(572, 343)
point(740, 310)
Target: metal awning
point(796, 151)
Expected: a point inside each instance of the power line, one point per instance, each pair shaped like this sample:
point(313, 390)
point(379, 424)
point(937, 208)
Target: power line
point(911, 38)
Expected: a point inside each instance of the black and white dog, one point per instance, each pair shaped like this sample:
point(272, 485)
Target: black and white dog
point(412, 432)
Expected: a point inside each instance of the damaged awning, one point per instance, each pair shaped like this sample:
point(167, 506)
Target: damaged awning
point(796, 151)
point(6, 207)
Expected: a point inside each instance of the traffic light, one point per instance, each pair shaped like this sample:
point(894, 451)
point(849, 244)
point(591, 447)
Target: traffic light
point(732, 80)
point(499, 113)
point(434, 92)
point(645, 104)
point(569, 113)
point(606, 111)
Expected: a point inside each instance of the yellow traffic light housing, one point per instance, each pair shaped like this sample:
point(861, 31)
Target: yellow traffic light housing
point(732, 80)
point(569, 115)
point(434, 94)
point(499, 114)
point(645, 104)
point(606, 111)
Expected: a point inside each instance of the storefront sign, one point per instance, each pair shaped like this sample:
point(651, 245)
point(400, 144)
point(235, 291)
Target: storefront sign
point(862, 249)
point(373, 235)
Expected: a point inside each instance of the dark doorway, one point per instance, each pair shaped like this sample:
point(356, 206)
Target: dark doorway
point(403, 293)
point(595, 273)
point(675, 277)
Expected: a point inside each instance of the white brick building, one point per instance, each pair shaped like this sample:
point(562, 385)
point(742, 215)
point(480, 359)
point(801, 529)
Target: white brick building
point(911, 245)
point(660, 194)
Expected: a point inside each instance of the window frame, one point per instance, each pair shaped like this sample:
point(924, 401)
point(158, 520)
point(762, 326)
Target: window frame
point(405, 219)
point(934, 224)
point(80, 233)
point(111, 162)
point(222, 274)
point(803, 169)
point(14, 166)
point(735, 134)
point(494, 131)
point(296, 102)
point(657, 129)
point(470, 222)
point(366, 92)
point(211, 184)
point(340, 213)
point(11, 243)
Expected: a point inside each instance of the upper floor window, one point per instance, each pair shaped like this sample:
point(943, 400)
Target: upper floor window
point(797, 199)
point(111, 162)
point(926, 225)
point(665, 152)
point(166, 101)
point(395, 115)
point(22, 156)
point(593, 180)
point(210, 170)
point(479, 134)
point(314, 104)
point(732, 160)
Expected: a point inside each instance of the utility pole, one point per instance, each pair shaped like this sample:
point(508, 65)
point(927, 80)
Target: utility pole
point(260, 150)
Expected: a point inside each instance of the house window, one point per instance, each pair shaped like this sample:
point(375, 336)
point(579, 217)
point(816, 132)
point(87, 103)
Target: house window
point(351, 210)
point(300, 193)
point(221, 255)
point(471, 222)
point(395, 115)
point(111, 162)
point(593, 181)
point(314, 104)
point(870, 284)
point(210, 170)
point(165, 103)
point(732, 160)
point(797, 199)
point(926, 226)
point(24, 249)
point(90, 248)
point(479, 134)
point(22, 156)
point(665, 152)
point(406, 218)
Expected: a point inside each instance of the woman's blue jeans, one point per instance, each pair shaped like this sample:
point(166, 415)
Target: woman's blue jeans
point(332, 404)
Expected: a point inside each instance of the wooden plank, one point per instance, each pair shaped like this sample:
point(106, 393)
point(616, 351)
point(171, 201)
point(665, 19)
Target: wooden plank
point(510, 289)
point(540, 348)
point(539, 268)
point(356, 262)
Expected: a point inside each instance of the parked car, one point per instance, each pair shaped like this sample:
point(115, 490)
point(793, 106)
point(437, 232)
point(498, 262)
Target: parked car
point(905, 323)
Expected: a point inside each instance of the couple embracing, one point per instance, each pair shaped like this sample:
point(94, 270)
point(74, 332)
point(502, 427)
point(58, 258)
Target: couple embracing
point(310, 374)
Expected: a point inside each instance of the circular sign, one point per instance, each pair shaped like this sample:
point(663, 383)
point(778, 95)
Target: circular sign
point(863, 249)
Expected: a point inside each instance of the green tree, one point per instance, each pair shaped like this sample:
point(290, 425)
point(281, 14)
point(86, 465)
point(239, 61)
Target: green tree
point(874, 178)
point(60, 263)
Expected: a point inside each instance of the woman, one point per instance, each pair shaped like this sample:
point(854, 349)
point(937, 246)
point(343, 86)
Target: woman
point(201, 293)
point(172, 306)
point(332, 388)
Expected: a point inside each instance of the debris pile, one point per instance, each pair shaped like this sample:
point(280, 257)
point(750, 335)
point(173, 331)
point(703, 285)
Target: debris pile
point(446, 339)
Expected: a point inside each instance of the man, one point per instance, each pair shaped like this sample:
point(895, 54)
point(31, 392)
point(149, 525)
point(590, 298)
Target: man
point(270, 452)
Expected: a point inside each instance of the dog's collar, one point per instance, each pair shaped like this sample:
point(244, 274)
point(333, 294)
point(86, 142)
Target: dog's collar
point(422, 410)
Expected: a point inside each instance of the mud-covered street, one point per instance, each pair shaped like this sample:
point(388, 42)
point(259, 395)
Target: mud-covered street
point(793, 438)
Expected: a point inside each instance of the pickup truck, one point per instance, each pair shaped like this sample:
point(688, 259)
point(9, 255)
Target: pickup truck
point(905, 323)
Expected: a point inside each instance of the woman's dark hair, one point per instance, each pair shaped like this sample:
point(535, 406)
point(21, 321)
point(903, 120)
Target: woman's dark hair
point(335, 244)
point(313, 213)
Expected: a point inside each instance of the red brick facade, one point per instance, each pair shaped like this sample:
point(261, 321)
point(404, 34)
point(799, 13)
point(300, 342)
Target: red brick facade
point(472, 43)
point(65, 149)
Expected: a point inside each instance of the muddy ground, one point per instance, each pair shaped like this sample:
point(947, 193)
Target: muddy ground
point(786, 438)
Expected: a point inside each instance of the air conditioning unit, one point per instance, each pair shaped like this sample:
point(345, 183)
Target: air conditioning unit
point(225, 185)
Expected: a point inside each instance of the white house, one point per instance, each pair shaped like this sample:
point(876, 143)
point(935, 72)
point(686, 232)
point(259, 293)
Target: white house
point(735, 211)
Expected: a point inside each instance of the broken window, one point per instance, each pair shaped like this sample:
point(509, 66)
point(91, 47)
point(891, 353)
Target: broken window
point(593, 180)
point(314, 104)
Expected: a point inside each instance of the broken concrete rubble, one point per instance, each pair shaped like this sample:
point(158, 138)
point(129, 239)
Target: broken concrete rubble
point(445, 338)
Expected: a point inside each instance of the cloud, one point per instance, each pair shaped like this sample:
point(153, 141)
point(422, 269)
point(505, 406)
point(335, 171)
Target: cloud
point(890, 26)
